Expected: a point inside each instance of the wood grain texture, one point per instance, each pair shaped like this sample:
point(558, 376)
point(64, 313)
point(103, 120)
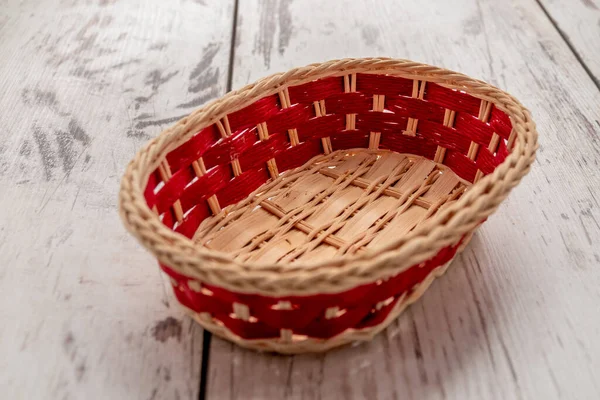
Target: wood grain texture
point(85, 311)
point(579, 23)
point(516, 317)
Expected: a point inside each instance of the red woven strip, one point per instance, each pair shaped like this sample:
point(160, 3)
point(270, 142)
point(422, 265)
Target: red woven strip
point(350, 140)
point(249, 330)
point(184, 299)
point(349, 103)
point(230, 148)
point(375, 317)
point(444, 136)
point(405, 281)
point(219, 310)
point(461, 165)
point(415, 108)
point(392, 287)
point(290, 118)
point(201, 302)
point(473, 128)
point(241, 186)
point(297, 155)
point(316, 90)
point(383, 85)
point(452, 99)
point(500, 123)
point(226, 298)
point(167, 218)
point(294, 319)
point(193, 149)
point(487, 162)
point(205, 186)
point(175, 275)
point(149, 195)
point(501, 152)
point(322, 301)
point(326, 328)
point(192, 220)
point(263, 151)
point(307, 316)
point(254, 114)
point(242, 298)
point(408, 144)
point(376, 121)
point(342, 300)
point(198, 301)
point(410, 278)
point(173, 189)
point(320, 127)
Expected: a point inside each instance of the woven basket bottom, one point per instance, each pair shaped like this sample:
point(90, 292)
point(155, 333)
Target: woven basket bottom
point(346, 202)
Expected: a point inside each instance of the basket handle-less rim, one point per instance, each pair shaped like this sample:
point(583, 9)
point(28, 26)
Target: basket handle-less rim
point(344, 272)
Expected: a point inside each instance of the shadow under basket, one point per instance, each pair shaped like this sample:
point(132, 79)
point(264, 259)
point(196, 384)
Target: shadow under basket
point(307, 210)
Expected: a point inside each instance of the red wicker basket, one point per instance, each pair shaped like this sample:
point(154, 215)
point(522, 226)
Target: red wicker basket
point(309, 209)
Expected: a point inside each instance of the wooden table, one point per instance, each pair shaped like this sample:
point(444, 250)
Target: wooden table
point(84, 311)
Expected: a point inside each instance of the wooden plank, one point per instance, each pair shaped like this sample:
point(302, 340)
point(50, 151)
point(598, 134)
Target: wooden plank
point(516, 315)
point(85, 311)
point(579, 23)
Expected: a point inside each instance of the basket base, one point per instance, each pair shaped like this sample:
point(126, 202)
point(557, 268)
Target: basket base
point(311, 345)
point(346, 202)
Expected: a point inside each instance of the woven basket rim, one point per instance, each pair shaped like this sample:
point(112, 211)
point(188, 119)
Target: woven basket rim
point(344, 272)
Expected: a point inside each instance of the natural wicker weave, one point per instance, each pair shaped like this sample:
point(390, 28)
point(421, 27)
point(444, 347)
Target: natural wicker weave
point(309, 209)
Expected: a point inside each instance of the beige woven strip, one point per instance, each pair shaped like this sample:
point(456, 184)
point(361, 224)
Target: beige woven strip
point(485, 108)
point(241, 311)
point(440, 152)
point(284, 98)
point(213, 202)
point(418, 92)
point(263, 134)
point(165, 174)
point(320, 111)
point(350, 86)
point(375, 137)
point(225, 131)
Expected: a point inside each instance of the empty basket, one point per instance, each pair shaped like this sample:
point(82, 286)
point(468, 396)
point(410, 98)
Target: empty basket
point(308, 209)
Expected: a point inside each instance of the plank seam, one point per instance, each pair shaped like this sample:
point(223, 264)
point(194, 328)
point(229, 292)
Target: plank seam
point(207, 336)
point(565, 38)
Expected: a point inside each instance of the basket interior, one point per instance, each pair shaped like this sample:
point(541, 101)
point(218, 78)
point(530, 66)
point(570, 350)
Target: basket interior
point(336, 204)
point(337, 166)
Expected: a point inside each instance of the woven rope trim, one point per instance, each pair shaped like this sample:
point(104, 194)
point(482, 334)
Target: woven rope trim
point(343, 272)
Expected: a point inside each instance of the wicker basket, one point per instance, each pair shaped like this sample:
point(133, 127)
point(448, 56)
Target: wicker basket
point(307, 210)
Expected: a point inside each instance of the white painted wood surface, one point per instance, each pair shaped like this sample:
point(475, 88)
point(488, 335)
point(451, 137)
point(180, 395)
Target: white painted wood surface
point(517, 315)
point(579, 22)
point(85, 314)
point(84, 311)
